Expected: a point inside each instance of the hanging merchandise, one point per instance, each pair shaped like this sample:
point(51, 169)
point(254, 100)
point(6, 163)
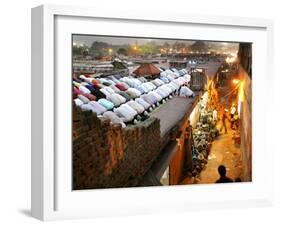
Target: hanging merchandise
point(204, 133)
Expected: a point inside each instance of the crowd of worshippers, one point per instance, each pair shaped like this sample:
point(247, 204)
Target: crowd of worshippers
point(128, 99)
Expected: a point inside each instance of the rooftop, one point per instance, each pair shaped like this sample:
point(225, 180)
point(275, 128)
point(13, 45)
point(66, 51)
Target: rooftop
point(172, 112)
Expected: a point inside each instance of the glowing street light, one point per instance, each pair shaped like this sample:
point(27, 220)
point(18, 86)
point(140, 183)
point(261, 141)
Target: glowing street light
point(235, 81)
point(230, 60)
point(241, 97)
point(241, 91)
point(110, 51)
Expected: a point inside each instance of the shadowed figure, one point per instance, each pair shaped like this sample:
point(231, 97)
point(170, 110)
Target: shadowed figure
point(223, 126)
point(223, 178)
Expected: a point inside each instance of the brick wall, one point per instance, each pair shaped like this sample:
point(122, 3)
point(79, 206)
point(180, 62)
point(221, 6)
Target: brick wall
point(106, 155)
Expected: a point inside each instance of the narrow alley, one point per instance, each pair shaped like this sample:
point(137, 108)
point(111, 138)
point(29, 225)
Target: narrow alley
point(223, 152)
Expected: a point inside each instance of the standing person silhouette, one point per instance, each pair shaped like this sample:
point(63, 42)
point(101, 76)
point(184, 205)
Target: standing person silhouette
point(232, 113)
point(223, 121)
point(223, 178)
point(215, 115)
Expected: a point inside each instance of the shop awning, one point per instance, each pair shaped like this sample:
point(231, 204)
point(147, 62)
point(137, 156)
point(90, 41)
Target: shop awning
point(147, 69)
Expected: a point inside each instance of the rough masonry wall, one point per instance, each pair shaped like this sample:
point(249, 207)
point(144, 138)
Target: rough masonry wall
point(246, 126)
point(106, 155)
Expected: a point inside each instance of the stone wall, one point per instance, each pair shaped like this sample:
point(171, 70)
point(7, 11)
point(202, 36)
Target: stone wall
point(106, 155)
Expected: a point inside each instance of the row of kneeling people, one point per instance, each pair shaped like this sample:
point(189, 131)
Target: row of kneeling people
point(123, 106)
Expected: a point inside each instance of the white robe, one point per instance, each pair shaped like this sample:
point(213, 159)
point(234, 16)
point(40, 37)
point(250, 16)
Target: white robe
point(186, 92)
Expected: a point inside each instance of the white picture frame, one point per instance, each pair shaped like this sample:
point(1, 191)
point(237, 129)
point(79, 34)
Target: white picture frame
point(52, 197)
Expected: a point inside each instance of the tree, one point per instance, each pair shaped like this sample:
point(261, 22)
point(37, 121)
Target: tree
point(80, 50)
point(199, 46)
point(99, 49)
point(148, 48)
point(122, 51)
point(85, 52)
point(166, 45)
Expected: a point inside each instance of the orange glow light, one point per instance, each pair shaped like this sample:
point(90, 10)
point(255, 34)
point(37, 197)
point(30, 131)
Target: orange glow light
point(235, 81)
point(241, 92)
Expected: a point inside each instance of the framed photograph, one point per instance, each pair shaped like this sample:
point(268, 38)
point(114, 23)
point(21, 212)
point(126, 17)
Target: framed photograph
point(146, 112)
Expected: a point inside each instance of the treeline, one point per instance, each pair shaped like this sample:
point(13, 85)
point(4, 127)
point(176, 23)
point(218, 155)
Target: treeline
point(102, 49)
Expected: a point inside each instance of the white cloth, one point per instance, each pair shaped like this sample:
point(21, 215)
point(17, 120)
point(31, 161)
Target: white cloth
point(133, 92)
point(136, 106)
point(186, 92)
point(182, 80)
point(121, 98)
point(97, 107)
point(232, 110)
point(150, 98)
point(131, 81)
point(176, 83)
point(87, 107)
point(110, 90)
point(128, 81)
point(129, 109)
point(83, 89)
point(116, 99)
point(125, 112)
point(102, 80)
point(105, 91)
point(165, 88)
point(161, 93)
point(187, 76)
point(83, 77)
point(157, 82)
point(172, 86)
point(111, 82)
point(84, 99)
point(114, 79)
point(142, 102)
point(176, 72)
point(163, 73)
point(149, 86)
point(215, 115)
point(115, 88)
point(171, 77)
point(136, 81)
point(78, 102)
point(158, 96)
point(77, 84)
point(144, 88)
point(113, 118)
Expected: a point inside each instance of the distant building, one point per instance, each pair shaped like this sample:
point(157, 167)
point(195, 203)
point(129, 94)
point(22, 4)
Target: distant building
point(179, 64)
point(198, 47)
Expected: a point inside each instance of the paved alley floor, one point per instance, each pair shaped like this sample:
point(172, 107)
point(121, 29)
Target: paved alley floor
point(223, 152)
